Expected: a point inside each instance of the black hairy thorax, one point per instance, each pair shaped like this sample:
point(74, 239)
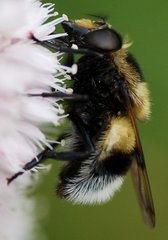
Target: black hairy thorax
point(99, 79)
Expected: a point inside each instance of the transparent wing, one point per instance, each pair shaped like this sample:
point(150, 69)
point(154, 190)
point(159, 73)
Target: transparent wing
point(142, 187)
point(139, 172)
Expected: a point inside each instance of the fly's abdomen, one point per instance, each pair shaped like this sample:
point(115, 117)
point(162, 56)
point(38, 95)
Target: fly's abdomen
point(96, 179)
point(90, 184)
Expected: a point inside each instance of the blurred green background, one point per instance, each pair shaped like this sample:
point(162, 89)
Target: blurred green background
point(146, 23)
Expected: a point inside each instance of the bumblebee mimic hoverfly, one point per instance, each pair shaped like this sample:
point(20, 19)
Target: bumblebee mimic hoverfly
point(105, 142)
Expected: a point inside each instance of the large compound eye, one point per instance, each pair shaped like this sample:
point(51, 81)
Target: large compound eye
point(103, 40)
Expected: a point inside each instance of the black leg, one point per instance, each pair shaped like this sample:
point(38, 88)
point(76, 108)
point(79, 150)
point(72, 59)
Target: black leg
point(34, 162)
point(64, 156)
point(60, 95)
point(67, 156)
point(82, 131)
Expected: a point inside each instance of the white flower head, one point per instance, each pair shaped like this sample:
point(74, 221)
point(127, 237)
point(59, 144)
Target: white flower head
point(20, 18)
point(25, 68)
